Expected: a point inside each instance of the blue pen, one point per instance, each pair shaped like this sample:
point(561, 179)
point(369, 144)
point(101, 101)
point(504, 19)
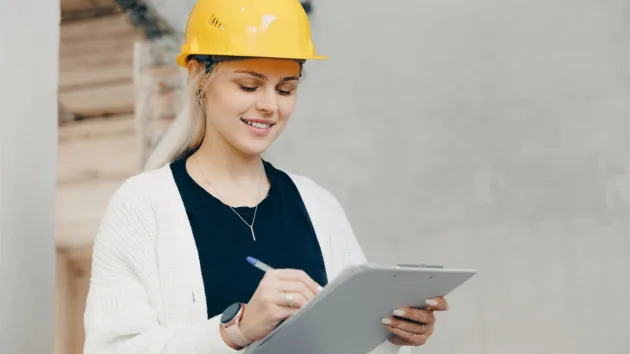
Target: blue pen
point(258, 264)
point(262, 266)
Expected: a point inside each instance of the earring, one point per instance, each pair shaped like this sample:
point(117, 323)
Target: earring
point(200, 99)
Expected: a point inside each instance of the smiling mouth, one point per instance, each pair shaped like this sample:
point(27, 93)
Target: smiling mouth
point(257, 124)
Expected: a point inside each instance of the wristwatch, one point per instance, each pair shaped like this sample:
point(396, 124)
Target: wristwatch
point(230, 320)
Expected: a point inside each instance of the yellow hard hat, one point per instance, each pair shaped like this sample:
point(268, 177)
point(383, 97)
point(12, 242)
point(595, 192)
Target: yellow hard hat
point(248, 28)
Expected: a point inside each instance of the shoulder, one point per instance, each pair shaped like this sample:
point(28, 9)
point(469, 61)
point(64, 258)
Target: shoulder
point(132, 210)
point(143, 189)
point(330, 211)
point(145, 183)
point(314, 193)
point(305, 185)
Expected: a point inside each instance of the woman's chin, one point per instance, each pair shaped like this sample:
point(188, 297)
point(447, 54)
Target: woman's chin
point(253, 147)
point(250, 144)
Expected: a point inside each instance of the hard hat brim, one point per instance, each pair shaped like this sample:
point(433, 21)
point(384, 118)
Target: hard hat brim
point(182, 59)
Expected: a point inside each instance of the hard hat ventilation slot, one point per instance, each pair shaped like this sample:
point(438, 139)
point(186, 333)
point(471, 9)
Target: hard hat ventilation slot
point(214, 22)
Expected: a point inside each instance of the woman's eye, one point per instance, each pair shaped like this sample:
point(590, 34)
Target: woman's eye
point(284, 92)
point(248, 88)
point(254, 88)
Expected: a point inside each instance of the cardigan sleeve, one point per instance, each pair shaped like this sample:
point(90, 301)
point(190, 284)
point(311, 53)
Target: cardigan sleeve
point(120, 316)
point(354, 255)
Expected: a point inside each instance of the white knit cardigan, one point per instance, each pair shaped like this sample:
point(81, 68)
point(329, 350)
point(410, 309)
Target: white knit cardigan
point(146, 292)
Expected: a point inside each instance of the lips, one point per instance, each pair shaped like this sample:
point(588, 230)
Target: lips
point(258, 124)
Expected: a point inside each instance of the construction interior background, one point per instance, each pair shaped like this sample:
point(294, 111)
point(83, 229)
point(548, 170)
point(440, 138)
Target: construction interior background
point(489, 134)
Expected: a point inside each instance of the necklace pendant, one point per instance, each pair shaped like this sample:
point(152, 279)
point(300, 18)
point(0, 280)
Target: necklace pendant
point(253, 234)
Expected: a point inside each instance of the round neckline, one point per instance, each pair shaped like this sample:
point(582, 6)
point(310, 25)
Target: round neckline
point(205, 195)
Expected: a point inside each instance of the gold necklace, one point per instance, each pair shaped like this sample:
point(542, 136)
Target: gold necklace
point(251, 226)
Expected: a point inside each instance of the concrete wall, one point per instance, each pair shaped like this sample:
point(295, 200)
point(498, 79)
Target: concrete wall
point(488, 134)
point(29, 57)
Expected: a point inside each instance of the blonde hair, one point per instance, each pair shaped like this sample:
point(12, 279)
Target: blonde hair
point(186, 133)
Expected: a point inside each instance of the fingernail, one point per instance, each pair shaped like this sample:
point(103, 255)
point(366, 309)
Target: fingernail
point(399, 312)
point(431, 302)
point(319, 288)
point(386, 321)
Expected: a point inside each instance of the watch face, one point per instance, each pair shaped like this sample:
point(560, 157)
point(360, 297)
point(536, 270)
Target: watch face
point(230, 312)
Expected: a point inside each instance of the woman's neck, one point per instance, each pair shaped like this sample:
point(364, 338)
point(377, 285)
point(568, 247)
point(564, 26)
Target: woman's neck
point(225, 163)
point(235, 178)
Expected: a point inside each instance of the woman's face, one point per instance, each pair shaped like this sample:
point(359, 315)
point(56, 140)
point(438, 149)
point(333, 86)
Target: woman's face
point(248, 102)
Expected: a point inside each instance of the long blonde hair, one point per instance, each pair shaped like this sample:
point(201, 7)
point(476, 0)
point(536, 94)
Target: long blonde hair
point(186, 133)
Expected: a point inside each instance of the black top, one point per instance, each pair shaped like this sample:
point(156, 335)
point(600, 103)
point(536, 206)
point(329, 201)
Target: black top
point(285, 237)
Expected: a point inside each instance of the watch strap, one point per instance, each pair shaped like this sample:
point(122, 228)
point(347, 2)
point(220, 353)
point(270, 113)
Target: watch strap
point(234, 333)
point(236, 336)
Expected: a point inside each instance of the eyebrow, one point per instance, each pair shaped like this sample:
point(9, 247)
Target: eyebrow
point(264, 77)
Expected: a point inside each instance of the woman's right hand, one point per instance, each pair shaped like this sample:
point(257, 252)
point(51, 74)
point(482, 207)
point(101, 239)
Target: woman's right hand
point(269, 306)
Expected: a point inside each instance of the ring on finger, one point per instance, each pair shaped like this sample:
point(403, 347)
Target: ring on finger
point(289, 298)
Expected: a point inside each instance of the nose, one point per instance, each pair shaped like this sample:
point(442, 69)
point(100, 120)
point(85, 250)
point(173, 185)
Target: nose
point(268, 101)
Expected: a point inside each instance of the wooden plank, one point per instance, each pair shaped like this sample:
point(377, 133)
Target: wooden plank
point(79, 78)
point(69, 6)
point(97, 48)
point(104, 46)
point(100, 100)
point(63, 304)
point(95, 157)
point(75, 16)
point(80, 287)
point(96, 63)
point(93, 60)
point(63, 114)
point(94, 128)
point(79, 210)
point(74, 5)
point(76, 255)
point(100, 27)
point(97, 149)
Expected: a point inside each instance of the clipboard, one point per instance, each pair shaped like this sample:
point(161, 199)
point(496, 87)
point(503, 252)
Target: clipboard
point(345, 317)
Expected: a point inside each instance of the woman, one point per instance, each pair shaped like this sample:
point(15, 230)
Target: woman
point(169, 273)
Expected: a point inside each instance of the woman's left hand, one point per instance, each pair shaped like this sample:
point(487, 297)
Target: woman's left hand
point(412, 326)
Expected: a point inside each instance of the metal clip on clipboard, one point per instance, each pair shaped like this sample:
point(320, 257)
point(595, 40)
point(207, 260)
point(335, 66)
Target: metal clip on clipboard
point(421, 265)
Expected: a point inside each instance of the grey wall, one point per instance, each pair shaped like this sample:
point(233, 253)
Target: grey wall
point(29, 57)
point(486, 134)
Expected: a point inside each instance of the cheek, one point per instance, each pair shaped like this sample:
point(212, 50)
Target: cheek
point(286, 106)
point(228, 105)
